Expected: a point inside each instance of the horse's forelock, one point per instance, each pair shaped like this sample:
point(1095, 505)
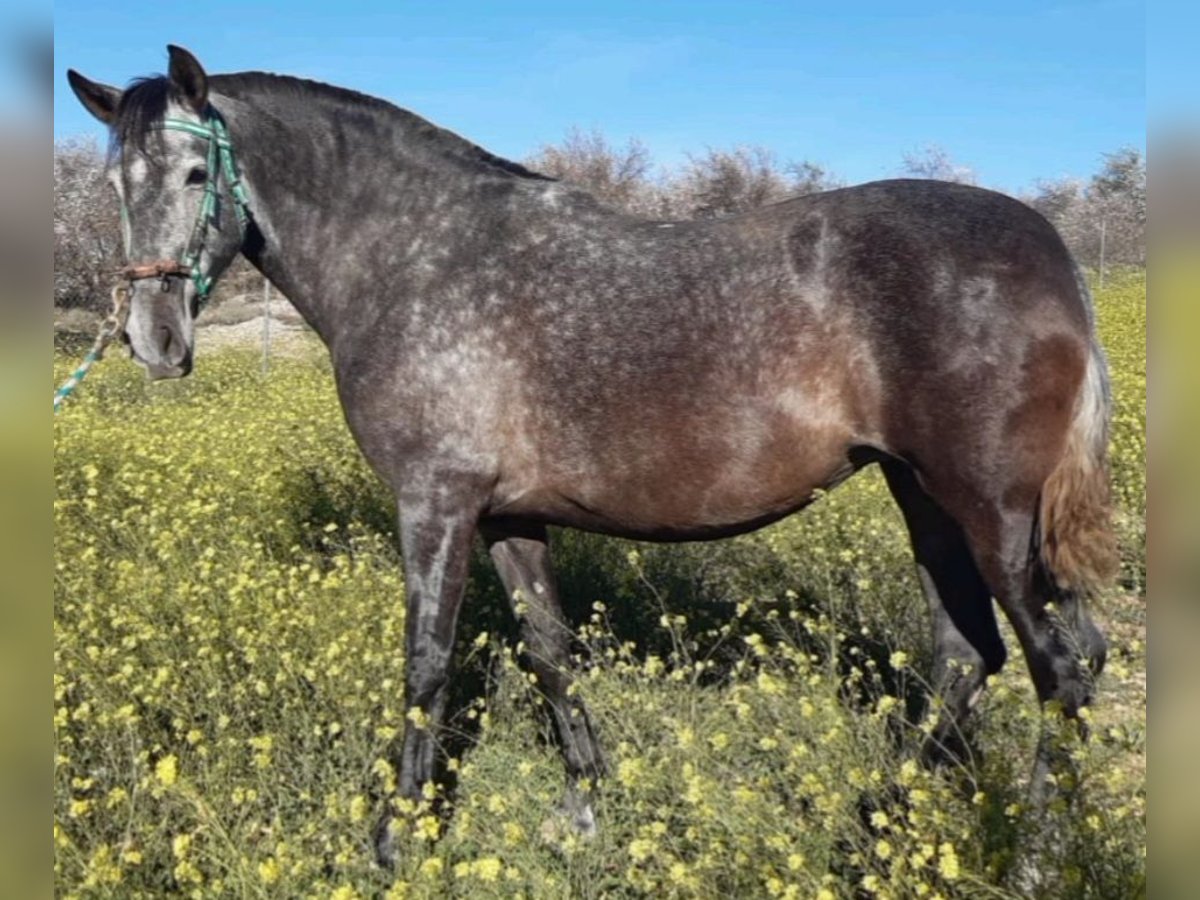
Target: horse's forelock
point(143, 105)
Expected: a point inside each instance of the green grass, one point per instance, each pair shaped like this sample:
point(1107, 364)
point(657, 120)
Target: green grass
point(228, 673)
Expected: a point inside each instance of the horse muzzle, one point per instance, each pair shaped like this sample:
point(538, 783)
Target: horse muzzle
point(172, 354)
point(157, 332)
point(161, 349)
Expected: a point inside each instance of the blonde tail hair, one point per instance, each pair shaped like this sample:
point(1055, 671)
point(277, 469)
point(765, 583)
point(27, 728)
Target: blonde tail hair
point(1078, 546)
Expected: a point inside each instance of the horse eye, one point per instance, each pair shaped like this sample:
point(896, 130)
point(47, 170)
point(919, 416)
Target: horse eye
point(198, 175)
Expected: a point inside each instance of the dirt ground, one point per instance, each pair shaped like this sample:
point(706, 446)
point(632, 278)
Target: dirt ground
point(235, 323)
point(283, 337)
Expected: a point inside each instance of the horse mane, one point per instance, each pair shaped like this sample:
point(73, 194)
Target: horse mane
point(144, 104)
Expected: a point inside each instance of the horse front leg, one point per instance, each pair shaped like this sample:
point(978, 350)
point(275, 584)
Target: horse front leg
point(521, 554)
point(436, 530)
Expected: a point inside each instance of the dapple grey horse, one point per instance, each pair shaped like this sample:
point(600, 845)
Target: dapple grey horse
point(512, 354)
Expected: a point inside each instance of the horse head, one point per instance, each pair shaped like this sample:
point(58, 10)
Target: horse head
point(183, 209)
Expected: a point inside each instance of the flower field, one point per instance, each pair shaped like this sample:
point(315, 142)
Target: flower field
point(228, 615)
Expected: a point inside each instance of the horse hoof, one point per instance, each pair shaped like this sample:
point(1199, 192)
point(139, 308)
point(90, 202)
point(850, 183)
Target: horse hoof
point(573, 818)
point(384, 838)
point(1029, 878)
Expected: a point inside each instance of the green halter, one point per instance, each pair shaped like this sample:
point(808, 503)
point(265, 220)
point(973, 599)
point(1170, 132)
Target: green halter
point(220, 163)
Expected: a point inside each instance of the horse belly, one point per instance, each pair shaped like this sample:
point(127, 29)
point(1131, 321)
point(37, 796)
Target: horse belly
point(690, 482)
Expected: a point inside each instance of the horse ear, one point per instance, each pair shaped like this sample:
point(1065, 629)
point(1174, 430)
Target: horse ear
point(188, 75)
point(99, 99)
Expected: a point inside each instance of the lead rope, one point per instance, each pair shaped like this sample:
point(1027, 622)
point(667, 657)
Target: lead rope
point(112, 325)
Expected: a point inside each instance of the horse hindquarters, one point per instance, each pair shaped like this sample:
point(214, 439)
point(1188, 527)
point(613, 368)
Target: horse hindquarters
point(1033, 505)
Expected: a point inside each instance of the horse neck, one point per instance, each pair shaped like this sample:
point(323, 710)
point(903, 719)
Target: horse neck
point(349, 207)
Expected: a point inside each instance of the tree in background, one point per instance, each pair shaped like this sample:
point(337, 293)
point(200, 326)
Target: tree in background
point(87, 227)
point(617, 176)
point(932, 161)
point(1118, 194)
point(1103, 220)
point(726, 182)
point(718, 183)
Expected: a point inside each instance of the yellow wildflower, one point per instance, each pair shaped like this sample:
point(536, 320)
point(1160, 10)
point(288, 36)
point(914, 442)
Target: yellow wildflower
point(432, 867)
point(488, 868)
point(166, 770)
point(268, 870)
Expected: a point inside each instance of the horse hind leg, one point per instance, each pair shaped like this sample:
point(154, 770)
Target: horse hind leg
point(1038, 530)
point(966, 640)
point(1063, 648)
point(521, 554)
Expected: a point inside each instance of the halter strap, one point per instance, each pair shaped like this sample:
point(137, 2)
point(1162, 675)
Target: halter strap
point(221, 163)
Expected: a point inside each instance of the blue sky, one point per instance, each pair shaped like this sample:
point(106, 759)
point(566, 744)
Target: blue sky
point(1017, 90)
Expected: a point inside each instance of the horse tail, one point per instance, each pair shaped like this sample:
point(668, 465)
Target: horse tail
point(1078, 549)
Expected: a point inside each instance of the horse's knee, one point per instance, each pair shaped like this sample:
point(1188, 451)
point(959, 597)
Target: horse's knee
point(427, 678)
